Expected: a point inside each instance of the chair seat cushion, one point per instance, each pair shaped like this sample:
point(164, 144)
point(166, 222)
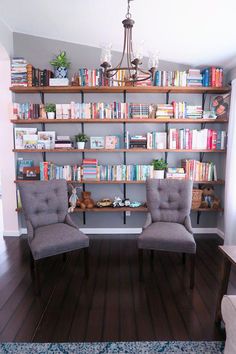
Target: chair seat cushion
point(56, 239)
point(167, 236)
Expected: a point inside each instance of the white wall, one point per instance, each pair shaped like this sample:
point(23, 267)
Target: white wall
point(7, 160)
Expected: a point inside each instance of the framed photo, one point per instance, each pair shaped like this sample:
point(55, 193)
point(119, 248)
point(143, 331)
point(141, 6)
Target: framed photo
point(97, 142)
point(30, 141)
point(19, 136)
point(46, 140)
point(112, 142)
point(220, 106)
point(31, 173)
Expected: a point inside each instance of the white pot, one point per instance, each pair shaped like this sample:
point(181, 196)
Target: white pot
point(158, 174)
point(51, 115)
point(80, 145)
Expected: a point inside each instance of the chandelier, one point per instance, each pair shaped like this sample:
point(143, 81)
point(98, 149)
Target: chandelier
point(128, 69)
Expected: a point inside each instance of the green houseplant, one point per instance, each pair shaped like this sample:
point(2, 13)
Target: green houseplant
point(159, 166)
point(50, 109)
point(81, 139)
point(61, 65)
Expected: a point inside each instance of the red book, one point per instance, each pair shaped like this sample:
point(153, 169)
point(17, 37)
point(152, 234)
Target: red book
point(213, 76)
point(214, 139)
point(209, 139)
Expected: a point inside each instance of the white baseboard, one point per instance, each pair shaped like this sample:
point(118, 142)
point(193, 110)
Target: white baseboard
point(125, 230)
point(13, 233)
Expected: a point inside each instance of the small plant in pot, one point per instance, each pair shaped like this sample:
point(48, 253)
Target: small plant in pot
point(50, 109)
point(159, 166)
point(81, 139)
point(61, 65)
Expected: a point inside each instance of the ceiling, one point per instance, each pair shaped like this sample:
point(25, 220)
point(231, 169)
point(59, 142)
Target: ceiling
point(194, 32)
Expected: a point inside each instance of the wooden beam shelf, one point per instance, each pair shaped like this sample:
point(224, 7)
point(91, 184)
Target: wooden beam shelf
point(122, 89)
point(117, 121)
point(142, 209)
point(134, 150)
point(220, 181)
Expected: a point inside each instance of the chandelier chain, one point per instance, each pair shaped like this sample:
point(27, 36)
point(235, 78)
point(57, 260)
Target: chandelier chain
point(128, 15)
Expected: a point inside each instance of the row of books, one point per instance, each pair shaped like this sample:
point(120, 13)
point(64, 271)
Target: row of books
point(115, 110)
point(212, 76)
point(199, 171)
point(93, 172)
point(205, 139)
point(38, 77)
point(90, 170)
point(191, 78)
point(88, 77)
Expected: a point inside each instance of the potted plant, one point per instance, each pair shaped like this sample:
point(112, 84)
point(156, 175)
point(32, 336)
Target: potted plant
point(81, 139)
point(61, 65)
point(50, 109)
point(159, 166)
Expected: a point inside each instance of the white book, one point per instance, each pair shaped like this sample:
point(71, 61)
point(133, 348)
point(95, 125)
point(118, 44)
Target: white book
point(161, 140)
point(59, 82)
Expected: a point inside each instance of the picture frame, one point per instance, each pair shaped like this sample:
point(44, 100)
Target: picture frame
point(31, 173)
point(46, 139)
point(97, 142)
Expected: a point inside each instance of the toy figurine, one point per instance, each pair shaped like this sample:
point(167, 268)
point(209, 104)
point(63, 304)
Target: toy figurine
point(74, 199)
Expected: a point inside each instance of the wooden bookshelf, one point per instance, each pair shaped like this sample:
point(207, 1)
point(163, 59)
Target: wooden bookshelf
point(117, 121)
point(122, 89)
point(142, 209)
point(134, 150)
point(220, 181)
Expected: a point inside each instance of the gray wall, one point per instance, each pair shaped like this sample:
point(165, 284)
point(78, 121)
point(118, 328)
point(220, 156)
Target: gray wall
point(39, 51)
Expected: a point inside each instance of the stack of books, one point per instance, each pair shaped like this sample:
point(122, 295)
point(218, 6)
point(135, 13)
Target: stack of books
point(63, 141)
point(49, 171)
point(18, 72)
point(199, 171)
point(213, 76)
point(194, 78)
point(175, 173)
point(194, 112)
point(138, 141)
point(138, 110)
point(90, 169)
point(164, 111)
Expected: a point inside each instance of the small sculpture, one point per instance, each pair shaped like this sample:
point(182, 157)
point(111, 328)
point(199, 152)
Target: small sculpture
point(105, 202)
point(74, 199)
point(117, 202)
point(86, 201)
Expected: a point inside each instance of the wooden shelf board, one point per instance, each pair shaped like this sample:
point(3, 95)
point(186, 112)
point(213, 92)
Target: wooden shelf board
point(128, 89)
point(135, 150)
point(220, 181)
point(123, 209)
point(116, 121)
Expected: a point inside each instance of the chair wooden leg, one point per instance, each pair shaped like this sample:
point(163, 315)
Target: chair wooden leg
point(36, 278)
point(140, 261)
point(183, 258)
point(152, 260)
point(64, 257)
point(86, 262)
point(192, 270)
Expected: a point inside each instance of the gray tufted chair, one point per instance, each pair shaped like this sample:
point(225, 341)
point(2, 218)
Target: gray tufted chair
point(168, 224)
point(50, 228)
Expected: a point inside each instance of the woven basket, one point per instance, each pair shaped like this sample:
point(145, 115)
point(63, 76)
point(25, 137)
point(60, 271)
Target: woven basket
point(196, 198)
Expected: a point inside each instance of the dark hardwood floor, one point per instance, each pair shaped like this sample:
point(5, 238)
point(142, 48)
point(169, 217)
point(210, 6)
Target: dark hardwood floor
point(112, 305)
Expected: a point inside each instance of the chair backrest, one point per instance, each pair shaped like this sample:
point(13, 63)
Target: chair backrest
point(169, 200)
point(44, 202)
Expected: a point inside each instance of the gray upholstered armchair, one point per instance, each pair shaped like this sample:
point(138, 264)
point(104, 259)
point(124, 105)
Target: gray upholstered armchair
point(50, 228)
point(168, 224)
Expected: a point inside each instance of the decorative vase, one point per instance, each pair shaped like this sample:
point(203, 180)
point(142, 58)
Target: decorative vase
point(158, 174)
point(80, 144)
point(51, 115)
point(60, 72)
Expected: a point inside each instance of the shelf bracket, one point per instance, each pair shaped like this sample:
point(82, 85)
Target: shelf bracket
point(42, 97)
point(198, 217)
point(202, 156)
point(167, 97)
